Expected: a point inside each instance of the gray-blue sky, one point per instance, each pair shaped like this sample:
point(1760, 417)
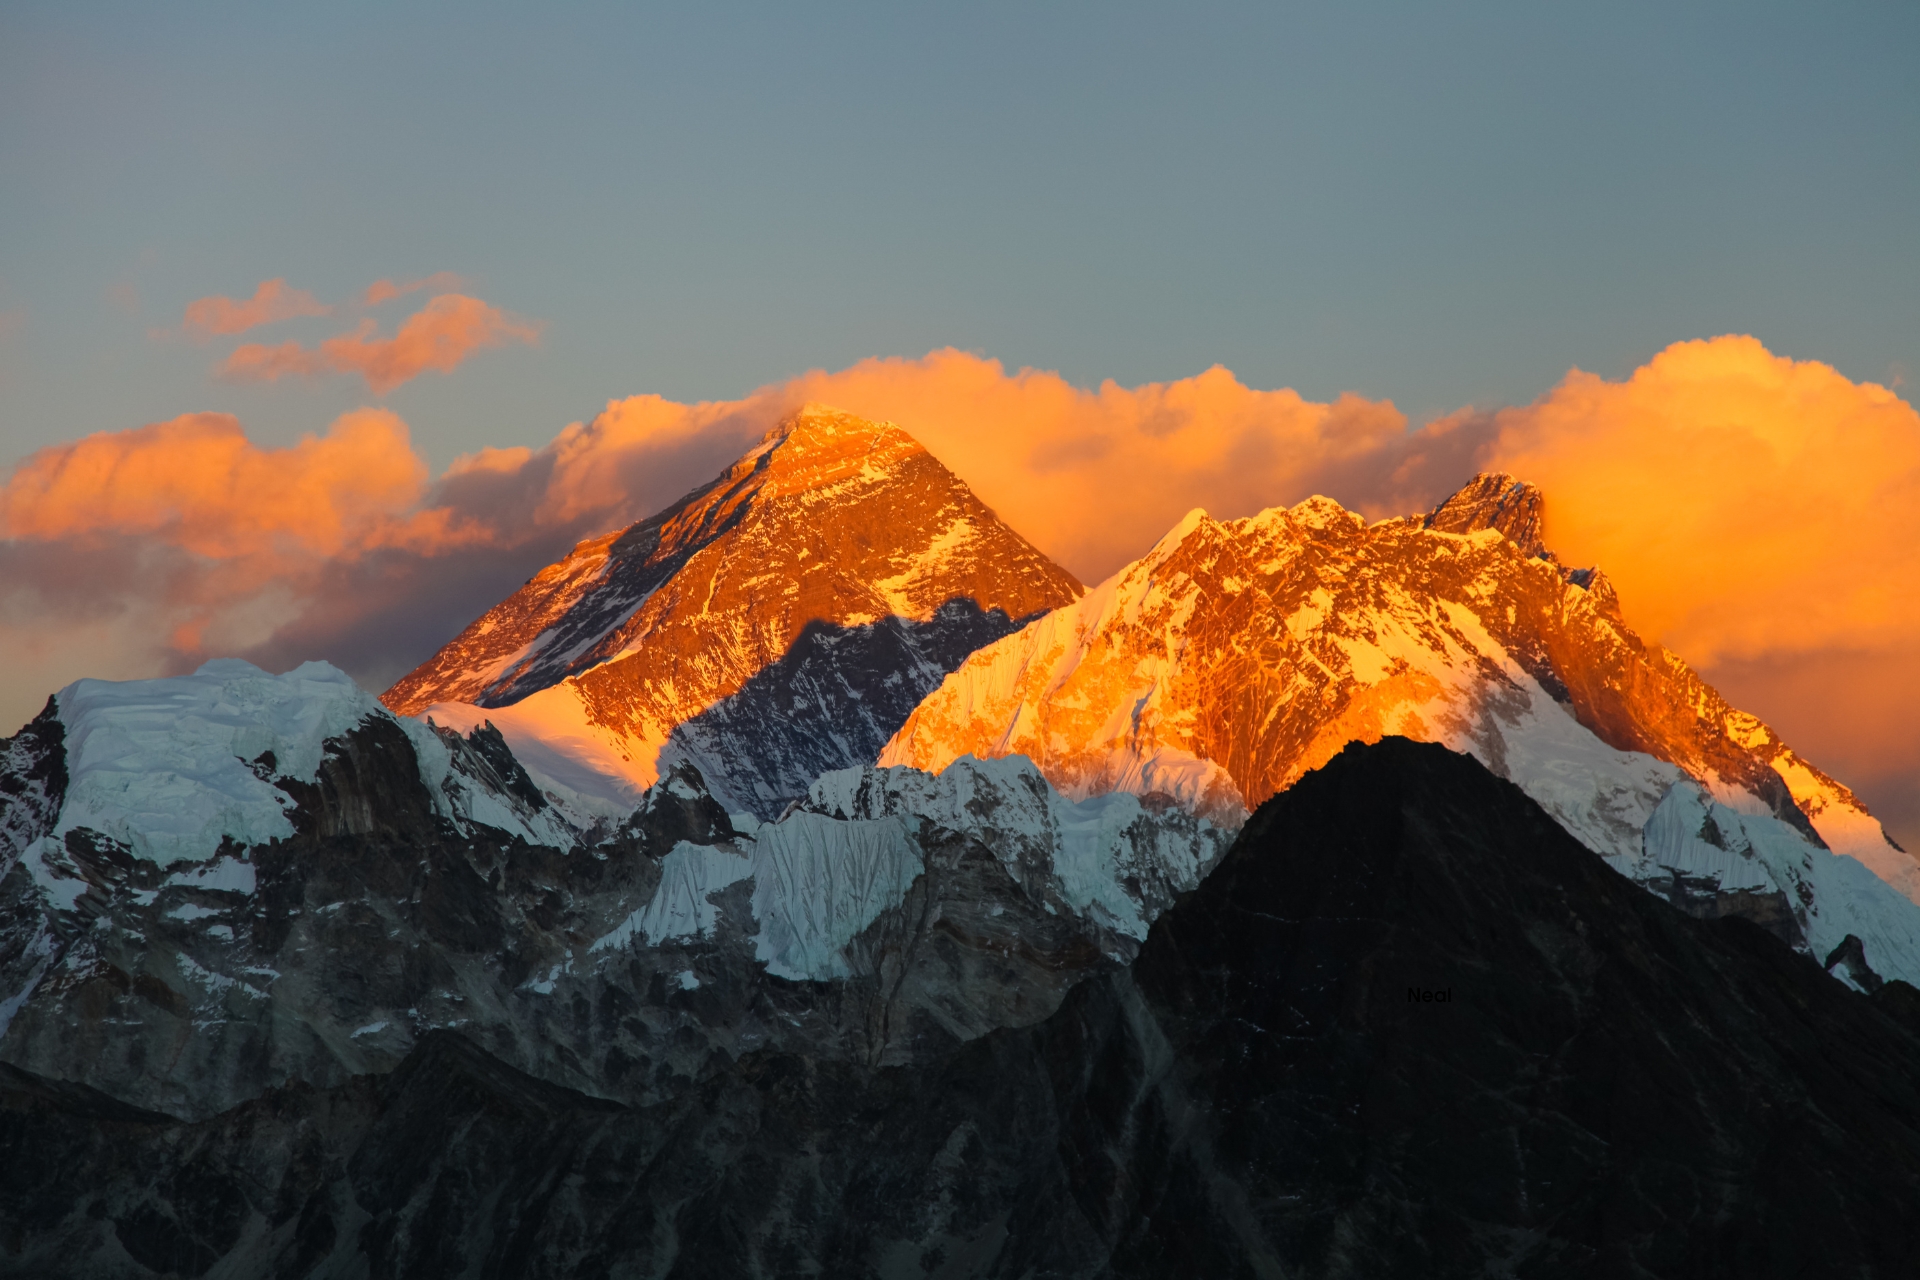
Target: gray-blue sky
point(1441, 204)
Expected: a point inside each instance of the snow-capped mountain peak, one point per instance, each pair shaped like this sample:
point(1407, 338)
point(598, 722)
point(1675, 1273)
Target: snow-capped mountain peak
point(773, 625)
point(1238, 655)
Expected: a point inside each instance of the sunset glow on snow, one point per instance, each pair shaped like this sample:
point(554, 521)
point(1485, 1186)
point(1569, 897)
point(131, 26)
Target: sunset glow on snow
point(1748, 505)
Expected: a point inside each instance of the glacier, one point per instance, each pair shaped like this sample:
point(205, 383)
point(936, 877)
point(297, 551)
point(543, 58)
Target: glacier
point(851, 850)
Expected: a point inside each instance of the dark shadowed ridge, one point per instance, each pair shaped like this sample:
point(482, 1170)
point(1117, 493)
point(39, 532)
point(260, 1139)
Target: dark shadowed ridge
point(1408, 1028)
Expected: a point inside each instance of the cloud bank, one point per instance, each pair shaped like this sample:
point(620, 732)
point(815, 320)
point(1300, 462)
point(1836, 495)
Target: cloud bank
point(1751, 508)
point(1744, 503)
point(439, 336)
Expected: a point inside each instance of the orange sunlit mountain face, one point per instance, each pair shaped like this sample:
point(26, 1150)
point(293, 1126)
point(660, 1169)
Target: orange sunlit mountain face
point(838, 550)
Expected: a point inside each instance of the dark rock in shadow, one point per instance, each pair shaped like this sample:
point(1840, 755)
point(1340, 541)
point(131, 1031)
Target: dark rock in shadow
point(830, 702)
point(1409, 1027)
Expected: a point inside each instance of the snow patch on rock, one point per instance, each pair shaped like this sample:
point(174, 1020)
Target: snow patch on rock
point(581, 765)
point(818, 882)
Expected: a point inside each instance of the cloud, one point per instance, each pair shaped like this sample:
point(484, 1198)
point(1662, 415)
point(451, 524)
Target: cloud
point(439, 336)
point(1093, 477)
point(197, 482)
point(1744, 503)
point(272, 302)
point(385, 290)
point(146, 551)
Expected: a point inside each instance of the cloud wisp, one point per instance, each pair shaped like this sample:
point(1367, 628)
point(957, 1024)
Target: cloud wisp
point(384, 290)
point(441, 335)
point(271, 303)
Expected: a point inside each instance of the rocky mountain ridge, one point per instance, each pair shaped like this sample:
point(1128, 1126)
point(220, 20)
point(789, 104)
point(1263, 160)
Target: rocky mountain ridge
point(1236, 656)
point(230, 881)
point(772, 900)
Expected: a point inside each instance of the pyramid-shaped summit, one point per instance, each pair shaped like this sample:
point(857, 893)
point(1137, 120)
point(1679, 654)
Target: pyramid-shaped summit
point(778, 622)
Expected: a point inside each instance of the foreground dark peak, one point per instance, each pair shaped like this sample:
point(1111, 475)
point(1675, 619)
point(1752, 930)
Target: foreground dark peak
point(1410, 1027)
point(831, 518)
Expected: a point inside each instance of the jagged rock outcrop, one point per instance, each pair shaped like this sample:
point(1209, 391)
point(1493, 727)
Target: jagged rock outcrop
point(778, 623)
point(1583, 1082)
point(1495, 500)
point(1238, 655)
point(33, 783)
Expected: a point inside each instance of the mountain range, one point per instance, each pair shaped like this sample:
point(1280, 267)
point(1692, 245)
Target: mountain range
point(823, 865)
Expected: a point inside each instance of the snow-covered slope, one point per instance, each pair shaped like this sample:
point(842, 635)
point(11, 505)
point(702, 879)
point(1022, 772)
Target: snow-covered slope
point(176, 768)
point(1238, 655)
point(149, 827)
point(776, 624)
point(1116, 860)
point(851, 849)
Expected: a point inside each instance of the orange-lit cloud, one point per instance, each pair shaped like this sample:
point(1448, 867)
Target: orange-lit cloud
point(1744, 503)
point(1092, 477)
point(197, 483)
point(386, 290)
point(138, 552)
point(439, 336)
point(272, 302)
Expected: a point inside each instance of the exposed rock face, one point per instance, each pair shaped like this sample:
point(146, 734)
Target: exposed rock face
point(780, 622)
point(1494, 500)
point(33, 783)
point(1585, 1083)
point(290, 884)
point(1236, 656)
